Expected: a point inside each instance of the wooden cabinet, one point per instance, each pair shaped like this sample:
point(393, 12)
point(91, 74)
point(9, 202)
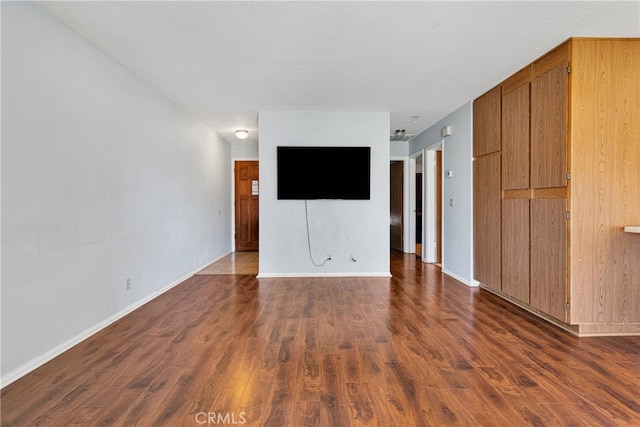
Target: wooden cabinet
point(515, 185)
point(515, 246)
point(605, 184)
point(549, 257)
point(486, 216)
point(515, 130)
point(570, 182)
point(549, 128)
point(486, 184)
point(486, 123)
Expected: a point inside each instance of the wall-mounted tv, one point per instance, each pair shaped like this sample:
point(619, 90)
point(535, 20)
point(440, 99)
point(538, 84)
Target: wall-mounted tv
point(307, 173)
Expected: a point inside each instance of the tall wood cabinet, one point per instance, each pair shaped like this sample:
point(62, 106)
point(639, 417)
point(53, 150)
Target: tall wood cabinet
point(486, 197)
point(568, 161)
point(516, 96)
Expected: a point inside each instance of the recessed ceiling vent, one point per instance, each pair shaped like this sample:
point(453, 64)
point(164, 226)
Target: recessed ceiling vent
point(400, 135)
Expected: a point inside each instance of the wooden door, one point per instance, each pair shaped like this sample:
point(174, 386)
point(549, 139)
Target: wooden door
point(515, 131)
point(549, 111)
point(515, 248)
point(396, 210)
point(549, 256)
point(486, 220)
point(486, 123)
point(246, 194)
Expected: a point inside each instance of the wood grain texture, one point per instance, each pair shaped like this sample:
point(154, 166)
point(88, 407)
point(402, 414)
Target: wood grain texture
point(487, 122)
point(549, 256)
point(515, 138)
point(552, 59)
point(517, 80)
point(515, 246)
point(608, 329)
point(549, 128)
point(549, 193)
point(417, 349)
point(516, 194)
point(486, 217)
point(605, 188)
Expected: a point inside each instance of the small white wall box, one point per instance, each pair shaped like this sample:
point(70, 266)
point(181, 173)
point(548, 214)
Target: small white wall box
point(446, 131)
point(449, 174)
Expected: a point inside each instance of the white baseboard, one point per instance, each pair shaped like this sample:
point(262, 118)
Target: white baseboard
point(274, 275)
point(470, 283)
point(35, 363)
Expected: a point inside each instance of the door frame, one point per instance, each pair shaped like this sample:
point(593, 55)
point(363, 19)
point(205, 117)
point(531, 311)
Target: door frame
point(429, 212)
point(412, 201)
point(233, 196)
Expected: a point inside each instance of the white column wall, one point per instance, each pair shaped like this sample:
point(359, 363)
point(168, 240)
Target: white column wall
point(340, 228)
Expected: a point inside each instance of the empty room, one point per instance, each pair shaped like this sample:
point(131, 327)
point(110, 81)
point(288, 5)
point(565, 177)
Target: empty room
point(319, 213)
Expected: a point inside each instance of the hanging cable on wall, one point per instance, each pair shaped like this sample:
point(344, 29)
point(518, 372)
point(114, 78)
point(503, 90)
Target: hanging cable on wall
point(306, 215)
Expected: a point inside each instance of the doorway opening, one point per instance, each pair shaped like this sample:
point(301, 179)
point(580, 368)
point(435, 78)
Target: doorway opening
point(418, 178)
point(433, 222)
point(396, 209)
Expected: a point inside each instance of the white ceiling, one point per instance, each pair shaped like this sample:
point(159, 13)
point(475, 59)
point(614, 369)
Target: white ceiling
point(225, 61)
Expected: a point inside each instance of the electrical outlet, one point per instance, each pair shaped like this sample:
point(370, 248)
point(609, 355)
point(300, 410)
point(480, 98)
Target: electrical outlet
point(128, 285)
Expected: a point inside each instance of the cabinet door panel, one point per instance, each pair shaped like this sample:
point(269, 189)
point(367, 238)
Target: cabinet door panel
point(486, 220)
point(515, 247)
point(549, 105)
point(515, 139)
point(549, 256)
point(486, 123)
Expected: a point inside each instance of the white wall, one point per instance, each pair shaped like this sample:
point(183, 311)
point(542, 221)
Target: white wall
point(102, 180)
point(457, 221)
point(244, 150)
point(338, 227)
point(399, 148)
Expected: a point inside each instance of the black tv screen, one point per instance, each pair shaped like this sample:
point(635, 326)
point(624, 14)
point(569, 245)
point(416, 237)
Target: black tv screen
point(306, 173)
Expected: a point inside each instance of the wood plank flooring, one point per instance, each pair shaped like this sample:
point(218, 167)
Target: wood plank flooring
point(419, 349)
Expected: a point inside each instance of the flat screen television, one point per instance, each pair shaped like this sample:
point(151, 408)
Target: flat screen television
point(308, 173)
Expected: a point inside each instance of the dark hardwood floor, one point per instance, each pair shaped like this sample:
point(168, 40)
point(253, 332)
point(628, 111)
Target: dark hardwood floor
point(417, 349)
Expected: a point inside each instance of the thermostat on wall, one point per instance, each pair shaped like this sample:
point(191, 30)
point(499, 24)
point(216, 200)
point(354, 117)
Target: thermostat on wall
point(446, 131)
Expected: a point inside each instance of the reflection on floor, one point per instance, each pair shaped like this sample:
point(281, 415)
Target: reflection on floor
point(234, 263)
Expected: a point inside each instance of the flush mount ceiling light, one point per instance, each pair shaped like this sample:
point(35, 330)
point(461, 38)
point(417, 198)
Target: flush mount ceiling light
point(242, 134)
point(400, 135)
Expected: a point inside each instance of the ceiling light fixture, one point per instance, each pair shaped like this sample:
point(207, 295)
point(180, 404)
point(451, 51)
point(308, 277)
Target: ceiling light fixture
point(242, 134)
